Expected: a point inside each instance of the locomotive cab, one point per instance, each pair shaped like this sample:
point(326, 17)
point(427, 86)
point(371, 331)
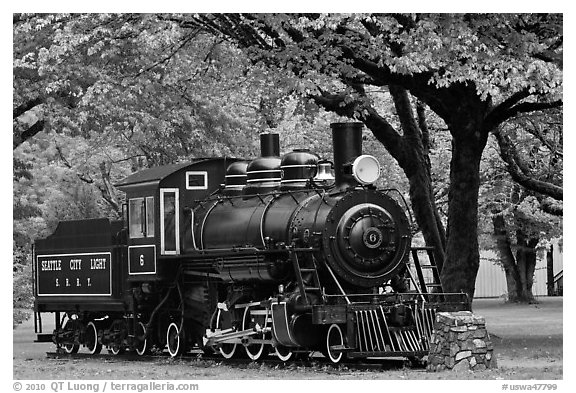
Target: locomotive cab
point(160, 204)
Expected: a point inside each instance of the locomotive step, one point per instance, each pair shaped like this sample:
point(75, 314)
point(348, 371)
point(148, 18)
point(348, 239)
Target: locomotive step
point(43, 338)
point(429, 267)
point(307, 269)
point(340, 348)
point(311, 289)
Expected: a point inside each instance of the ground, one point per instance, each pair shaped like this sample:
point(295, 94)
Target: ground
point(527, 340)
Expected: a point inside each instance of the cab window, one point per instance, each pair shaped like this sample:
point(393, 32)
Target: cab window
point(141, 217)
point(150, 216)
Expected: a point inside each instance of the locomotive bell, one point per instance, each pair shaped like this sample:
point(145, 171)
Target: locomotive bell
point(325, 175)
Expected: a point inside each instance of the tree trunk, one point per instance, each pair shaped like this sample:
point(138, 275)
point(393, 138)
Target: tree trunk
point(504, 246)
point(526, 263)
point(414, 160)
point(550, 270)
point(426, 212)
point(519, 269)
point(462, 255)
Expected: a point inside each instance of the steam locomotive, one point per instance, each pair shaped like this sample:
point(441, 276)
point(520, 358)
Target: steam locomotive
point(273, 256)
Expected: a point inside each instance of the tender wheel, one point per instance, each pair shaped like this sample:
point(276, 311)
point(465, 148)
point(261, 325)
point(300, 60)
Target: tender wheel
point(142, 346)
point(175, 340)
point(119, 332)
point(73, 326)
point(71, 348)
point(254, 351)
point(224, 321)
point(283, 353)
point(116, 350)
point(91, 339)
point(334, 337)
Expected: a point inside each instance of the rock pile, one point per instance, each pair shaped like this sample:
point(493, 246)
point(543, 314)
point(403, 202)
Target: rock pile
point(460, 342)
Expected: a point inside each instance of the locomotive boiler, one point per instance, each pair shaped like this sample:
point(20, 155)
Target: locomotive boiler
point(358, 233)
point(273, 256)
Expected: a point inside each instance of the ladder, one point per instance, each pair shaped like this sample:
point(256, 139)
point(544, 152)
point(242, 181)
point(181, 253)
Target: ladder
point(301, 271)
point(427, 287)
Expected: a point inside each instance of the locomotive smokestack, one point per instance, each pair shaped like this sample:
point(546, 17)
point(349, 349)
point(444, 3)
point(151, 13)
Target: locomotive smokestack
point(270, 145)
point(347, 144)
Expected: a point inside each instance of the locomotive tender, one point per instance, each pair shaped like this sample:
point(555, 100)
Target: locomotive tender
point(272, 256)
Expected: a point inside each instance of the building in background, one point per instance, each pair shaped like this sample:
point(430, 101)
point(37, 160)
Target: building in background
point(491, 279)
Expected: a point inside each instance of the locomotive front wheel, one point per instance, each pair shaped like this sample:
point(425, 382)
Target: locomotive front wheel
point(283, 353)
point(334, 338)
point(91, 339)
point(254, 351)
point(224, 321)
point(142, 346)
point(175, 340)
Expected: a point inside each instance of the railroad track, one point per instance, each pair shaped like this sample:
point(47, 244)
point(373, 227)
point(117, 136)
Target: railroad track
point(376, 364)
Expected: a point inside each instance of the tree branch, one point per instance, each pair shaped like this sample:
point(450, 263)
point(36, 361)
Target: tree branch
point(535, 130)
point(382, 130)
point(552, 207)
point(187, 39)
point(27, 134)
point(107, 190)
point(25, 107)
point(422, 124)
point(509, 109)
point(519, 172)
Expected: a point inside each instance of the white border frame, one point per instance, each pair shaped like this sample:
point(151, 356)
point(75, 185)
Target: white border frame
point(176, 191)
point(141, 246)
point(199, 173)
point(75, 294)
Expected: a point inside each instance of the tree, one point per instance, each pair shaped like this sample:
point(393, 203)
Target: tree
point(525, 158)
point(474, 71)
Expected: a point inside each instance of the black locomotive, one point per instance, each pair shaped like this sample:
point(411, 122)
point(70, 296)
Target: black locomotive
point(276, 255)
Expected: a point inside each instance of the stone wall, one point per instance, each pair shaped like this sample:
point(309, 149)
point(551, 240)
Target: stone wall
point(460, 341)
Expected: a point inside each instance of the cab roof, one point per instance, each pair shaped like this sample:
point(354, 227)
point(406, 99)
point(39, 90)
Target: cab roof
point(152, 175)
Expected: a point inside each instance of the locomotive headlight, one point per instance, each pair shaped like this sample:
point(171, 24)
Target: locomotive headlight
point(366, 169)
